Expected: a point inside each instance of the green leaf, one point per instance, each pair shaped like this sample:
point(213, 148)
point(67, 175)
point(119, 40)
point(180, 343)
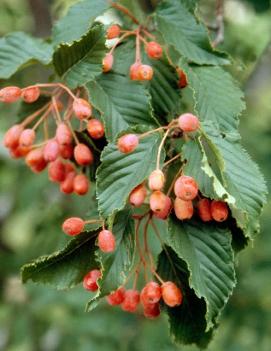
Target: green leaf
point(66, 268)
point(120, 173)
point(78, 21)
point(82, 60)
point(18, 50)
point(122, 103)
point(188, 36)
point(135, 8)
point(207, 251)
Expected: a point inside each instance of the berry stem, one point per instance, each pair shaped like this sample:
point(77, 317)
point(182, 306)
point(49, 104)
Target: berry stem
point(43, 117)
point(138, 53)
point(160, 148)
point(173, 181)
point(51, 85)
point(125, 11)
point(58, 117)
point(172, 160)
point(148, 34)
point(152, 131)
point(93, 221)
point(127, 34)
point(73, 134)
point(31, 118)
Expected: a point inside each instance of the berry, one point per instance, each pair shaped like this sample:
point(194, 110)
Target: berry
point(81, 108)
point(154, 50)
point(128, 143)
point(12, 136)
point(164, 213)
point(152, 311)
point(186, 188)
point(83, 155)
point(138, 195)
point(151, 293)
point(18, 152)
point(80, 184)
point(66, 185)
point(204, 210)
point(95, 129)
point(182, 78)
point(134, 71)
point(10, 94)
point(27, 138)
point(183, 209)
point(156, 180)
point(188, 122)
point(73, 226)
point(145, 72)
point(56, 171)
point(90, 280)
point(106, 241)
point(66, 151)
point(31, 94)
point(158, 201)
point(219, 211)
point(171, 294)
point(113, 31)
point(63, 134)
point(131, 300)
point(35, 160)
point(117, 297)
point(51, 150)
point(108, 62)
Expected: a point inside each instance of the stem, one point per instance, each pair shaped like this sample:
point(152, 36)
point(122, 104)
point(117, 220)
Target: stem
point(143, 40)
point(42, 118)
point(125, 11)
point(172, 160)
point(92, 221)
point(60, 85)
point(73, 134)
point(58, 117)
point(148, 34)
point(152, 131)
point(138, 54)
point(160, 149)
point(174, 179)
point(129, 33)
point(31, 118)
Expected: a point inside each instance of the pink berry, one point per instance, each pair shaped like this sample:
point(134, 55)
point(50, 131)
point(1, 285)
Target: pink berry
point(83, 155)
point(128, 143)
point(219, 211)
point(56, 171)
point(158, 201)
point(131, 300)
point(66, 185)
point(63, 134)
point(81, 184)
point(90, 280)
point(134, 71)
point(156, 180)
point(27, 138)
point(10, 94)
point(138, 195)
point(113, 31)
point(204, 210)
point(35, 160)
point(108, 62)
point(73, 226)
point(171, 294)
point(183, 209)
point(12, 136)
point(145, 72)
point(117, 297)
point(30, 94)
point(95, 129)
point(66, 151)
point(151, 293)
point(186, 188)
point(81, 108)
point(165, 211)
point(188, 122)
point(106, 241)
point(154, 50)
point(51, 150)
point(152, 311)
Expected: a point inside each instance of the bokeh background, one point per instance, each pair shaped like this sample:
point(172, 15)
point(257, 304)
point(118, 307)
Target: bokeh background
point(37, 318)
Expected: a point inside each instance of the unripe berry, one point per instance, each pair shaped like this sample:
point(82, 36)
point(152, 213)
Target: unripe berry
point(128, 143)
point(171, 294)
point(138, 195)
point(31, 94)
point(12, 136)
point(219, 211)
point(106, 241)
point(82, 108)
point(35, 160)
point(63, 134)
point(108, 62)
point(145, 72)
point(27, 138)
point(56, 171)
point(83, 155)
point(188, 122)
point(90, 280)
point(164, 213)
point(66, 185)
point(186, 188)
point(158, 201)
point(182, 78)
point(154, 50)
point(66, 151)
point(156, 180)
point(51, 150)
point(113, 31)
point(73, 226)
point(152, 311)
point(204, 210)
point(80, 184)
point(10, 94)
point(95, 129)
point(131, 300)
point(117, 297)
point(134, 71)
point(183, 209)
point(151, 293)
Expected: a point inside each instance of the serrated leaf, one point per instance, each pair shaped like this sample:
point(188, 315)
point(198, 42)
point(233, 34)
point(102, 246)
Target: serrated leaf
point(82, 60)
point(78, 21)
point(120, 173)
point(122, 103)
point(18, 50)
point(188, 36)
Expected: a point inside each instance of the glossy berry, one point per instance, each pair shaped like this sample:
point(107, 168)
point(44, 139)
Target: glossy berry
point(51, 150)
point(67, 185)
point(95, 129)
point(156, 180)
point(80, 184)
point(56, 171)
point(117, 297)
point(145, 72)
point(154, 50)
point(183, 209)
point(73, 226)
point(186, 188)
point(66, 151)
point(158, 201)
point(165, 211)
point(219, 211)
point(63, 134)
point(83, 155)
point(151, 293)
point(106, 241)
point(113, 31)
point(171, 294)
point(204, 210)
point(31, 94)
point(108, 62)
point(152, 311)
point(128, 143)
point(10, 94)
point(12, 136)
point(35, 160)
point(82, 108)
point(138, 195)
point(134, 71)
point(188, 122)
point(182, 78)
point(131, 300)
point(90, 280)
point(27, 138)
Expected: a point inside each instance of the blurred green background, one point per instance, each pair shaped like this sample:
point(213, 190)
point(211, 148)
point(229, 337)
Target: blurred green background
point(37, 318)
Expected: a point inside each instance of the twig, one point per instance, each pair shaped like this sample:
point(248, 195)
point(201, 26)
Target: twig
point(125, 11)
point(219, 23)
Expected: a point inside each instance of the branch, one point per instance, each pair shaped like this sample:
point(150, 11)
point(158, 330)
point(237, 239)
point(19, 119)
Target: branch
point(125, 11)
point(219, 23)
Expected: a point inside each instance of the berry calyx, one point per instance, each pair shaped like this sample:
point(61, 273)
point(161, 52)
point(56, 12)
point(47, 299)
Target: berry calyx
point(138, 195)
point(151, 293)
point(12, 136)
point(188, 122)
point(108, 62)
point(145, 72)
point(182, 78)
point(128, 143)
point(158, 201)
point(51, 150)
point(10, 94)
point(156, 180)
point(131, 300)
point(82, 108)
point(219, 211)
point(73, 226)
point(80, 184)
point(154, 50)
point(83, 155)
point(113, 31)
point(95, 129)
point(134, 71)
point(27, 138)
point(90, 280)
point(186, 188)
point(106, 241)
point(56, 171)
point(116, 297)
point(183, 209)
point(63, 134)
point(171, 294)
point(152, 311)
point(31, 94)
point(204, 210)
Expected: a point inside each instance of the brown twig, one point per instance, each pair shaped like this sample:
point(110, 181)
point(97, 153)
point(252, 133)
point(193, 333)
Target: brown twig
point(125, 11)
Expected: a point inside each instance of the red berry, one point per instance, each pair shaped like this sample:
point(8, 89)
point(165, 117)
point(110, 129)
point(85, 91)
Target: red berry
point(183, 209)
point(27, 138)
point(18, 152)
point(51, 150)
point(152, 311)
point(10, 94)
point(151, 293)
point(90, 280)
point(145, 72)
point(134, 71)
point(63, 134)
point(204, 210)
point(188, 122)
point(186, 188)
point(182, 78)
point(81, 108)
point(164, 213)
point(106, 241)
point(154, 50)
point(95, 129)
point(56, 171)
point(66, 151)
point(158, 201)
point(219, 211)
point(35, 160)
point(117, 297)
point(156, 180)
point(108, 62)
point(131, 300)
point(66, 185)
point(138, 195)
point(128, 143)
point(12, 136)
point(73, 226)
point(83, 155)
point(80, 184)
point(171, 294)
point(113, 31)
point(31, 94)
